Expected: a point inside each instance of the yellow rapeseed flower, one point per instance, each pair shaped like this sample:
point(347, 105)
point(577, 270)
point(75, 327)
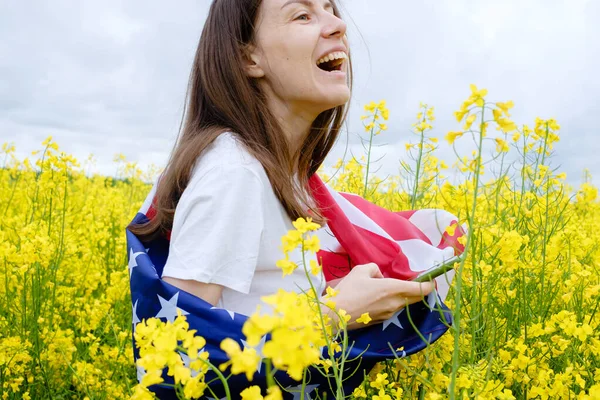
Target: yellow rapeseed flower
point(287, 266)
point(291, 240)
point(331, 292)
point(359, 392)
point(258, 325)
point(251, 393)
point(477, 95)
point(371, 107)
point(505, 107)
point(460, 114)
point(241, 361)
point(501, 145)
point(380, 381)
point(47, 141)
point(274, 393)
point(382, 395)
point(311, 244)
point(452, 136)
point(451, 229)
point(385, 114)
point(430, 115)
point(305, 225)
point(506, 125)
point(315, 268)
point(151, 378)
point(469, 121)
point(296, 338)
point(364, 318)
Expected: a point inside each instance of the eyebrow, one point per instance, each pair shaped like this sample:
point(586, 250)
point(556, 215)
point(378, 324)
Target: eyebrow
point(307, 3)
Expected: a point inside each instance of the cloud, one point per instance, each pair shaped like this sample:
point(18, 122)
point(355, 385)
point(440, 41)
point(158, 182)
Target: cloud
point(110, 78)
point(542, 55)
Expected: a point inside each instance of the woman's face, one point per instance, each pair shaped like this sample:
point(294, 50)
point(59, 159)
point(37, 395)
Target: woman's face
point(301, 53)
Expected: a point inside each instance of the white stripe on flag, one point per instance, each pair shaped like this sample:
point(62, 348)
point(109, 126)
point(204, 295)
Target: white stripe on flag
point(327, 239)
point(432, 223)
point(148, 202)
point(443, 283)
point(356, 216)
point(422, 255)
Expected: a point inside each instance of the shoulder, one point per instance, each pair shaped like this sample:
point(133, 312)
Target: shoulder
point(226, 167)
point(228, 155)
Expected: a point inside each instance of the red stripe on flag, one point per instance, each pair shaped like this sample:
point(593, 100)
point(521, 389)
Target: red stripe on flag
point(151, 213)
point(396, 224)
point(335, 265)
point(359, 245)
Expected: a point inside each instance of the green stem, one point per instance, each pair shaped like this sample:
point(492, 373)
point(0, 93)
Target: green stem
point(270, 380)
point(336, 373)
point(458, 286)
point(413, 202)
point(369, 156)
point(546, 216)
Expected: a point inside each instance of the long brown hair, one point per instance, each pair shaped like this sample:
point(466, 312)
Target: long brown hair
point(221, 97)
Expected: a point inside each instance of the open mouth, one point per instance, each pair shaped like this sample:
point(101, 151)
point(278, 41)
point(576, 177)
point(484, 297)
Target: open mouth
point(332, 62)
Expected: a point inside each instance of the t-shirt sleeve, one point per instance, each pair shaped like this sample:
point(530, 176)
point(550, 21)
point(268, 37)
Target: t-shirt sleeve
point(221, 229)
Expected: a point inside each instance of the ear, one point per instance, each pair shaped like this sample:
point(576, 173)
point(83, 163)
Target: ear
point(252, 58)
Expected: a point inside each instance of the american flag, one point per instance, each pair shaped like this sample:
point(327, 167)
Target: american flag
point(358, 232)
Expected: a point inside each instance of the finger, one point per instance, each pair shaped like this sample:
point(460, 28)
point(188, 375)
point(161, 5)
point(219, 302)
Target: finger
point(413, 300)
point(404, 302)
point(411, 289)
point(370, 269)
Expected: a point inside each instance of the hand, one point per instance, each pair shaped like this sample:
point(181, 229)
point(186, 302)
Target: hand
point(365, 289)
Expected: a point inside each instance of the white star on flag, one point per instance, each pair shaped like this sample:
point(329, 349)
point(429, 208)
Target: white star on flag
point(135, 318)
point(132, 259)
point(297, 391)
point(394, 320)
point(231, 313)
point(169, 308)
point(140, 372)
point(259, 349)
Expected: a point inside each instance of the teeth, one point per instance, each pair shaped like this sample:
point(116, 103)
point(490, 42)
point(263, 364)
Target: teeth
point(332, 56)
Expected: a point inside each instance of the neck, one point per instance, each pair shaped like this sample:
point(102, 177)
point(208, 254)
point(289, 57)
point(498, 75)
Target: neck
point(295, 119)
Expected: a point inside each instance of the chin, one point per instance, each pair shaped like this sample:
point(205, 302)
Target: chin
point(332, 101)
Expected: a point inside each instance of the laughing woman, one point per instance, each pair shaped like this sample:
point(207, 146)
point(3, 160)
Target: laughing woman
point(268, 94)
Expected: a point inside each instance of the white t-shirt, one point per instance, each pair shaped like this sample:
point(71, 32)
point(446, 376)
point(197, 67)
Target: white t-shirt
point(227, 229)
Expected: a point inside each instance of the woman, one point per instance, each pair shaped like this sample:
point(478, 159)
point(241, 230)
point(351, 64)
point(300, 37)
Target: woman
point(269, 92)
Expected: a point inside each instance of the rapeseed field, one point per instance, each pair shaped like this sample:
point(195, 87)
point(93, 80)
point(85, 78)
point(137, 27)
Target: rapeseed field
point(525, 300)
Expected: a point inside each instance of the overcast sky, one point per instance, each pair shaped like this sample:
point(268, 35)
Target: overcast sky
point(110, 77)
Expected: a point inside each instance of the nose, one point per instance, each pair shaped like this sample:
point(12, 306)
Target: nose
point(334, 26)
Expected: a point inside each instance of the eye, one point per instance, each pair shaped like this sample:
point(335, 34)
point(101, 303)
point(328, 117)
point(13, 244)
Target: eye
point(299, 17)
